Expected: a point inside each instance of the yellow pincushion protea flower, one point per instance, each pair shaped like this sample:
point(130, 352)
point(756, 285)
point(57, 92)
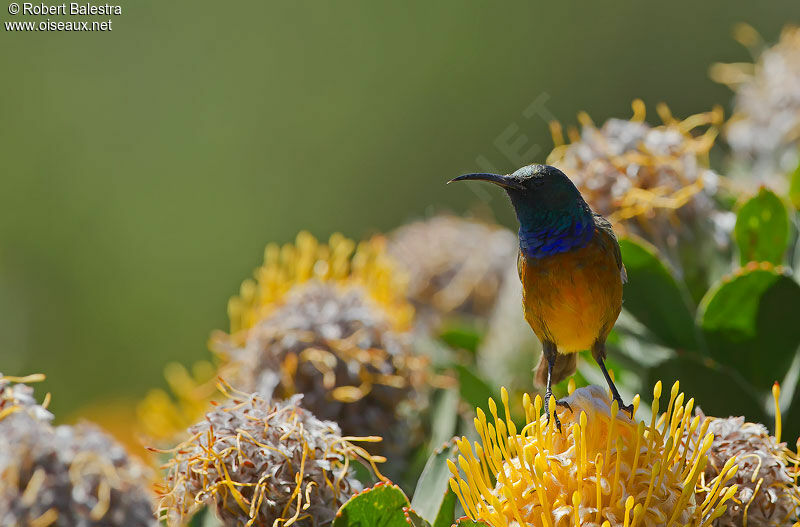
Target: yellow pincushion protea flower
point(164, 415)
point(330, 322)
point(341, 261)
point(605, 469)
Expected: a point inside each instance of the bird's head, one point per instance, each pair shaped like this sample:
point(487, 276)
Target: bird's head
point(536, 191)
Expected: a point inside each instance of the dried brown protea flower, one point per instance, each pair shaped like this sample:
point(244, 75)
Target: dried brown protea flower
point(764, 130)
point(262, 463)
point(17, 396)
point(455, 265)
point(67, 475)
point(767, 492)
point(652, 181)
point(329, 322)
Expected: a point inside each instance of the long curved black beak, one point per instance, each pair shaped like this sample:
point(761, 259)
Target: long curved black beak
point(497, 179)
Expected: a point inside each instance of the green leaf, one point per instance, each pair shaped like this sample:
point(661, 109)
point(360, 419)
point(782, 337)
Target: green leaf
point(794, 188)
point(199, 518)
point(750, 323)
point(415, 520)
point(364, 475)
point(461, 335)
point(762, 229)
point(379, 506)
point(466, 522)
point(447, 512)
point(211, 520)
point(655, 298)
point(205, 517)
point(790, 420)
point(717, 390)
point(433, 484)
point(474, 390)
point(444, 417)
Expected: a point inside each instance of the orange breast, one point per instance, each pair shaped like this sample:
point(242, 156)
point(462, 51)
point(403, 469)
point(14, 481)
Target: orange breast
point(573, 298)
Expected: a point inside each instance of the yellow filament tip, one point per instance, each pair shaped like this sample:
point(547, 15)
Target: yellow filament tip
point(776, 395)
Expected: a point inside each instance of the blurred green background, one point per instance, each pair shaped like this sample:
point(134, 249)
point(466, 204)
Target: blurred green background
point(144, 169)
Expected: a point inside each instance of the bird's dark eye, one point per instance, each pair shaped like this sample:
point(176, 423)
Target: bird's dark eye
point(537, 182)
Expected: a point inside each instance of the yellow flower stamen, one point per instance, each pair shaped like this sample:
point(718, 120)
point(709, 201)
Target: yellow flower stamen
point(776, 395)
point(598, 464)
point(641, 475)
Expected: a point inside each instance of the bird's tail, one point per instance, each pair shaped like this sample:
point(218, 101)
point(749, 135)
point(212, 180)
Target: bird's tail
point(564, 366)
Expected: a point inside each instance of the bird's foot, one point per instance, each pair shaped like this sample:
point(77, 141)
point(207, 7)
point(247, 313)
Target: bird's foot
point(614, 392)
point(622, 406)
point(563, 404)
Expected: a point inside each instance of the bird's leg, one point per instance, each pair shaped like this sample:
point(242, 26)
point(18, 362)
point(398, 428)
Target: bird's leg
point(550, 352)
point(599, 354)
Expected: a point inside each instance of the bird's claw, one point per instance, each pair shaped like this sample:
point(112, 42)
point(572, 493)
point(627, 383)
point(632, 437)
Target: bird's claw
point(627, 408)
point(561, 403)
point(557, 421)
point(564, 404)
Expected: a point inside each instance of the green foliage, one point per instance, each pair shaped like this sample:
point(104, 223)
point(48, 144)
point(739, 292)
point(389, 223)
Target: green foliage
point(364, 475)
point(433, 485)
point(655, 298)
point(415, 520)
point(794, 188)
point(791, 418)
point(447, 512)
point(466, 522)
point(710, 384)
point(474, 390)
point(205, 517)
point(762, 229)
point(750, 324)
point(385, 504)
point(379, 506)
point(744, 335)
point(444, 417)
point(461, 336)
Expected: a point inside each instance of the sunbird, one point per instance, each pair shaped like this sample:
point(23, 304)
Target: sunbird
point(571, 270)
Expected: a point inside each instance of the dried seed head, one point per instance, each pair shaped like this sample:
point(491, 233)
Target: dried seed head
point(262, 463)
point(764, 130)
point(338, 349)
point(455, 265)
point(16, 396)
point(767, 492)
point(652, 181)
point(330, 322)
point(67, 475)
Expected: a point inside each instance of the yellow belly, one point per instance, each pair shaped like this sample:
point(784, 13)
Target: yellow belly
point(573, 298)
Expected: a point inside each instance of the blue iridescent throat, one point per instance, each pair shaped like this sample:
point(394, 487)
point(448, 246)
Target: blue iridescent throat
point(557, 237)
